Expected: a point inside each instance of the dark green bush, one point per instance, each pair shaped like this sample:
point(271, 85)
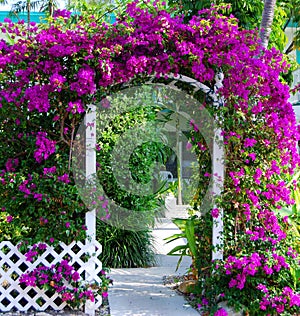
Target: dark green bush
point(124, 248)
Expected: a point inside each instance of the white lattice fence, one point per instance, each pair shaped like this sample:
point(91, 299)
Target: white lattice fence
point(13, 264)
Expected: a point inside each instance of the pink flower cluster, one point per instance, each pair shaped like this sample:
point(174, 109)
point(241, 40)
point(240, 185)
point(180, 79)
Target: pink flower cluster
point(270, 229)
point(45, 147)
point(55, 277)
point(245, 265)
point(38, 98)
point(221, 312)
point(247, 270)
point(85, 81)
point(62, 13)
point(11, 164)
point(35, 251)
point(279, 303)
point(241, 268)
point(64, 280)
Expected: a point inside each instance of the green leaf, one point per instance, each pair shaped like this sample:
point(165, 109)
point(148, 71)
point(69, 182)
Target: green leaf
point(178, 248)
point(174, 237)
point(190, 235)
point(179, 262)
point(180, 223)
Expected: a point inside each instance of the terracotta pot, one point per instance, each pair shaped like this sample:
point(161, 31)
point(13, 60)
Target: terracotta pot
point(187, 286)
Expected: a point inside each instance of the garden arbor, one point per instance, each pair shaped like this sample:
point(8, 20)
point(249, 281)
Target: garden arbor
point(51, 73)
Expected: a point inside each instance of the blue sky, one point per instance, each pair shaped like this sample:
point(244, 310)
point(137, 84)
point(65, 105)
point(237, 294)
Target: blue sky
point(7, 7)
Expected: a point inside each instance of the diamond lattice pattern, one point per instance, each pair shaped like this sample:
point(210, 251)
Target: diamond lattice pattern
point(84, 257)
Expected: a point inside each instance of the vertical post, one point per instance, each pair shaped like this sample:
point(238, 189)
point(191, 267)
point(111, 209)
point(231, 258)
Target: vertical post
point(179, 159)
point(218, 180)
point(90, 217)
point(179, 172)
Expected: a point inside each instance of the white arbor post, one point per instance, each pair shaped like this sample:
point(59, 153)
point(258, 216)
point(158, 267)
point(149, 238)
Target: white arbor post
point(218, 168)
point(90, 218)
point(218, 155)
point(218, 180)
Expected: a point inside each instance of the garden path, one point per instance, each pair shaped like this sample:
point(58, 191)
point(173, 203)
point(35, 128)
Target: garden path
point(140, 291)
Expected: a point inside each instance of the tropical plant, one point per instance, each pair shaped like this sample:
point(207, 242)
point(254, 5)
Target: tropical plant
point(47, 6)
point(294, 17)
point(191, 248)
point(107, 9)
point(125, 248)
point(188, 190)
point(128, 113)
point(292, 212)
point(122, 247)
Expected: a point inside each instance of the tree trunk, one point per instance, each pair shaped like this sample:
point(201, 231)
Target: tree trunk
point(28, 12)
point(50, 7)
point(266, 22)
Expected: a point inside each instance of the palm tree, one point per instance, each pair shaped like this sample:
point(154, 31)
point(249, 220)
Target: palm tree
point(47, 6)
point(266, 22)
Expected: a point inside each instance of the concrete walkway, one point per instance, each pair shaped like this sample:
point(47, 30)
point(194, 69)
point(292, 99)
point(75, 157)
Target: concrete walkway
point(140, 292)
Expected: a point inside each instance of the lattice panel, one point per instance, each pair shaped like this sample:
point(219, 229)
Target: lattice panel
point(83, 257)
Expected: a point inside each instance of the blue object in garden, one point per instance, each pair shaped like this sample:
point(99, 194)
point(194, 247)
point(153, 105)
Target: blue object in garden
point(292, 23)
point(34, 16)
point(112, 18)
point(37, 16)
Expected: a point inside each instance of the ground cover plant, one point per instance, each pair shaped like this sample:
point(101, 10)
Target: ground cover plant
point(51, 72)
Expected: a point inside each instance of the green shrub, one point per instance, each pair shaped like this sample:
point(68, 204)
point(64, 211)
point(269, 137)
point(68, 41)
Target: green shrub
point(124, 248)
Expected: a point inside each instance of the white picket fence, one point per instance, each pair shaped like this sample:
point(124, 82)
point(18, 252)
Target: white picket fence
point(13, 264)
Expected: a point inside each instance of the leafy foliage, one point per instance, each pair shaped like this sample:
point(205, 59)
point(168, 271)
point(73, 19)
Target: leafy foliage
point(147, 155)
point(125, 248)
point(249, 14)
